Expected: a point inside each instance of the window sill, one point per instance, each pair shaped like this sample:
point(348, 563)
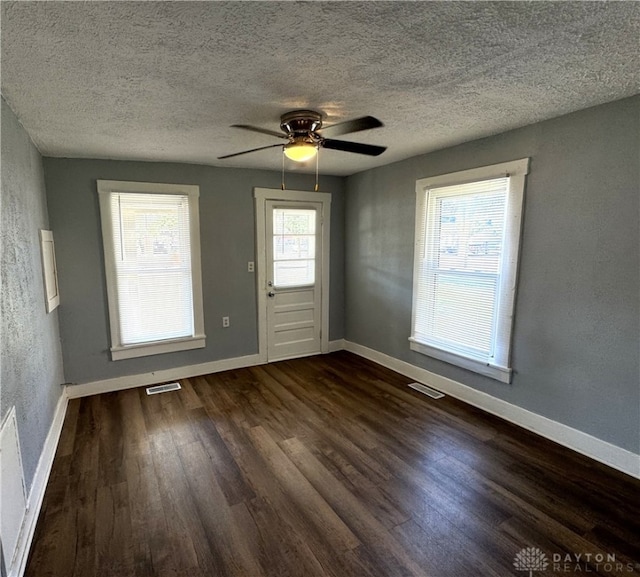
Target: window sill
point(122, 352)
point(502, 374)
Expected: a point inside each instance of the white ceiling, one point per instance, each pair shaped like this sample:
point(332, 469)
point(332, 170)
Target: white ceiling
point(164, 80)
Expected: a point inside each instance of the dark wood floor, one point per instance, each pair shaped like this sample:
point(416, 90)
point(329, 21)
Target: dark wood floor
point(325, 466)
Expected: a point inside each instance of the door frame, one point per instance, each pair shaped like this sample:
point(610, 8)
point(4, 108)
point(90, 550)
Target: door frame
point(261, 196)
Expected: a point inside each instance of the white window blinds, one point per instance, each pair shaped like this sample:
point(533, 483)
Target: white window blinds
point(152, 262)
point(464, 273)
point(152, 266)
point(461, 245)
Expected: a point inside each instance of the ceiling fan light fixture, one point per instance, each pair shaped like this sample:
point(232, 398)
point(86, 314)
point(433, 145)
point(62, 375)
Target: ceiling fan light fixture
point(300, 151)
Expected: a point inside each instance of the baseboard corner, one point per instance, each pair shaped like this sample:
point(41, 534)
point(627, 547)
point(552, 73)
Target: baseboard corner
point(337, 345)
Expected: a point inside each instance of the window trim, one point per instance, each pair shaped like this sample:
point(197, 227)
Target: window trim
point(119, 351)
point(517, 171)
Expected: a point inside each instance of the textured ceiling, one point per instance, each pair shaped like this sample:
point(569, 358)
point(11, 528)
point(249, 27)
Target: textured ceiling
point(164, 80)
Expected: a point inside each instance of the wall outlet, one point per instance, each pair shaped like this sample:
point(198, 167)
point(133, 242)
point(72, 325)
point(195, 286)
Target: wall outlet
point(225, 322)
point(250, 266)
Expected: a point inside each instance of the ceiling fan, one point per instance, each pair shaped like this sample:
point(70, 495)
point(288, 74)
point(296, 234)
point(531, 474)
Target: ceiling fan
point(305, 135)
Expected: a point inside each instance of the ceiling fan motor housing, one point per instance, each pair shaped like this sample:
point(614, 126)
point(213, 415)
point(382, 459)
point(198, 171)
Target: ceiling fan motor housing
point(301, 123)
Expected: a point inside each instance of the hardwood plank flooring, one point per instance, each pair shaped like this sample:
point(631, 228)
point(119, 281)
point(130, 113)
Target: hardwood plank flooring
point(327, 466)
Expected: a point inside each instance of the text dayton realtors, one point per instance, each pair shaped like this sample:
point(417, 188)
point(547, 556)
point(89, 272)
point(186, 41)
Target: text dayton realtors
point(586, 562)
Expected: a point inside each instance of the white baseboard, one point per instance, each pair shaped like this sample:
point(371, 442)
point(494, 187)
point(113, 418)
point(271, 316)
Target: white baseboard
point(337, 345)
point(579, 441)
point(155, 377)
point(38, 486)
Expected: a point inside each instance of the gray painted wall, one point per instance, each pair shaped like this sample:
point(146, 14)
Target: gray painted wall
point(577, 336)
point(227, 225)
point(31, 359)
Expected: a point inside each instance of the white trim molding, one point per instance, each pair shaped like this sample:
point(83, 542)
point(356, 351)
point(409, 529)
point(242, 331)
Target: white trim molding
point(502, 374)
point(36, 493)
point(110, 191)
point(579, 441)
point(492, 358)
point(155, 377)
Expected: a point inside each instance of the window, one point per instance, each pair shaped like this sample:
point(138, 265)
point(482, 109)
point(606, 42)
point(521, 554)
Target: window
point(465, 267)
point(152, 258)
point(294, 248)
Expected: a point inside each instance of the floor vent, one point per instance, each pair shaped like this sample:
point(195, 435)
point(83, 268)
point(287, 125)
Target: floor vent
point(163, 388)
point(427, 390)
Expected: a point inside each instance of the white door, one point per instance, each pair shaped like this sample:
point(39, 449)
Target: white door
point(293, 305)
point(293, 280)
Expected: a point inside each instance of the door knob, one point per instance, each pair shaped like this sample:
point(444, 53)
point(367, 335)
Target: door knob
point(271, 294)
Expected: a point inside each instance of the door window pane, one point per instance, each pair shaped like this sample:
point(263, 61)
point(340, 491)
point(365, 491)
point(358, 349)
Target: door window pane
point(294, 247)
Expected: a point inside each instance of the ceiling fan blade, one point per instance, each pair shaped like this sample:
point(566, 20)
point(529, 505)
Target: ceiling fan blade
point(248, 151)
point(258, 129)
point(355, 125)
point(357, 147)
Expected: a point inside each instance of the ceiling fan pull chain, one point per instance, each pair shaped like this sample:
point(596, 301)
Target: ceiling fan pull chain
point(282, 184)
point(317, 155)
